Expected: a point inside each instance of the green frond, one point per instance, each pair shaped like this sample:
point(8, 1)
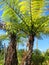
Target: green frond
point(9, 13)
point(4, 37)
point(35, 6)
point(46, 31)
point(16, 11)
point(12, 27)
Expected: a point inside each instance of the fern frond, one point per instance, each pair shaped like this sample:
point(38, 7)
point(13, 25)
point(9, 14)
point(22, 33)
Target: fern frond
point(4, 37)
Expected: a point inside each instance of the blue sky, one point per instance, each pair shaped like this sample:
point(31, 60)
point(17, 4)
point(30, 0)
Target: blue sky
point(4, 41)
point(0, 13)
point(43, 45)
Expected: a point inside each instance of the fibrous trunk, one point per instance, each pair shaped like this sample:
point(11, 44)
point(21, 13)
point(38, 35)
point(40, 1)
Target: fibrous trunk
point(28, 57)
point(30, 49)
point(11, 56)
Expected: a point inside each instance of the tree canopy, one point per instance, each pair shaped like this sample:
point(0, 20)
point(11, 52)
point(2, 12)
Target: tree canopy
point(29, 16)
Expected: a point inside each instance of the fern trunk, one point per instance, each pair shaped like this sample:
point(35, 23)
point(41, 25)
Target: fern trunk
point(31, 43)
point(11, 56)
point(27, 59)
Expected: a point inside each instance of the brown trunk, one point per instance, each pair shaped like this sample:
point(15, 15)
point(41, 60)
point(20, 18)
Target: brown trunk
point(11, 56)
point(31, 43)
point(27, 59)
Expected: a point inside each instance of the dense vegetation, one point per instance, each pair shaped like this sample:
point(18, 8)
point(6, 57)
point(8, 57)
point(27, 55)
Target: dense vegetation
point(38, 57)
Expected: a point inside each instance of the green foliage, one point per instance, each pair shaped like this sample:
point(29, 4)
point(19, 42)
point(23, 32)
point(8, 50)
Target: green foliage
point(29, 16)
point(3, 37)
point(47, 54)
point(2, 57)
point(37, 57)
point(20, 55)
point(35, 22)
point(12, 27)
point(9, 16)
